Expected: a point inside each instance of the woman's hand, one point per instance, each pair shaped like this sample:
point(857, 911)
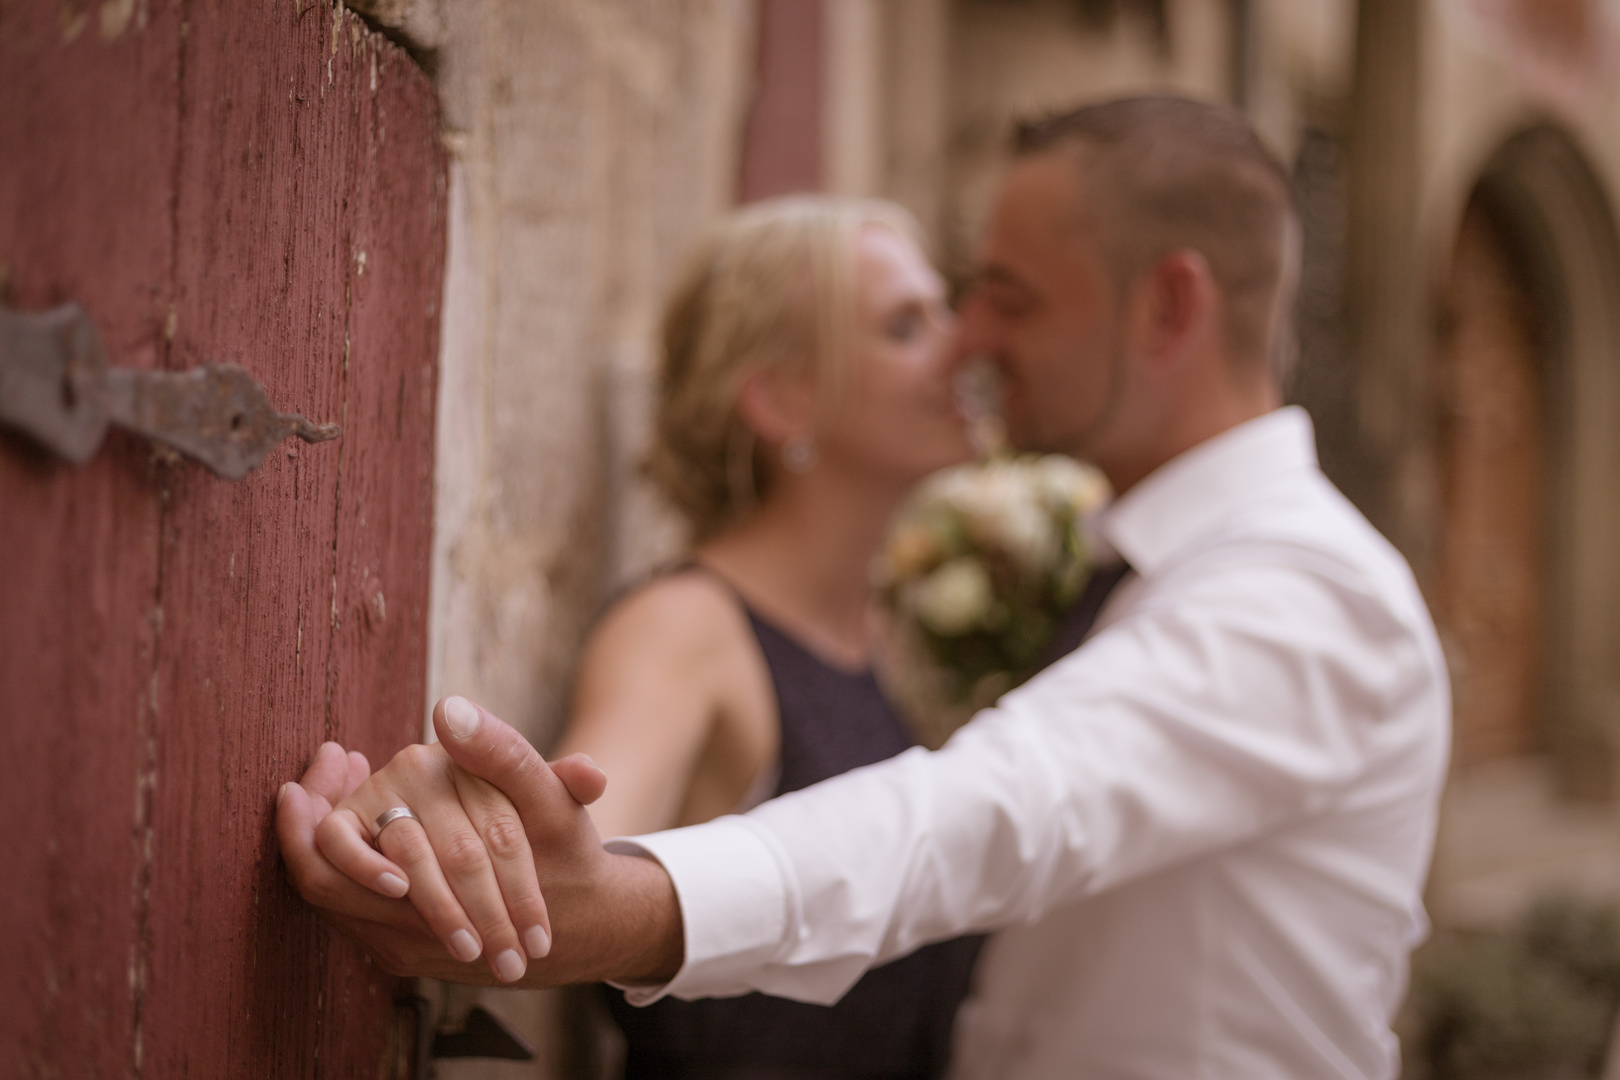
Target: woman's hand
point(620, 915)
point(391, 930)
point(464, 862)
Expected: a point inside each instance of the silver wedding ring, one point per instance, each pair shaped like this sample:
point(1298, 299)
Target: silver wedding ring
point(388, 817)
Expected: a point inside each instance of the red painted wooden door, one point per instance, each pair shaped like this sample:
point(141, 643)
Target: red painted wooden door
point(260, 184)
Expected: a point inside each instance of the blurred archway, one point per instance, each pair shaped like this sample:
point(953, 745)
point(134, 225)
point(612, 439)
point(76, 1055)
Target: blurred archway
point(1525, 582)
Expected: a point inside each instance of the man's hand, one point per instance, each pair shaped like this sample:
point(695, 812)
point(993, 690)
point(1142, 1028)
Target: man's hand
point(617, 916)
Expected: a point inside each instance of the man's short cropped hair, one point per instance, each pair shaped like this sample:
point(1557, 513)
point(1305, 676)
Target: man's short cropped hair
point(1161, 174)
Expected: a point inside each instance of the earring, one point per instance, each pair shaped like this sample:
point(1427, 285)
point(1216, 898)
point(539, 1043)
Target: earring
point(799, 455)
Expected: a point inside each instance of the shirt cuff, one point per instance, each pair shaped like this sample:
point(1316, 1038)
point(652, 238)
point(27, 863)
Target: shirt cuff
point(734, 896)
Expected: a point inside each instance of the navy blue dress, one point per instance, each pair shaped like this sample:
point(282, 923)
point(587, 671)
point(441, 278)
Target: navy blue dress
point(895, 1023)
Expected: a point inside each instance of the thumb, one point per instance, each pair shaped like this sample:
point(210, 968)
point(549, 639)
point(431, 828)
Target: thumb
point(489, 748)
point(583, 777)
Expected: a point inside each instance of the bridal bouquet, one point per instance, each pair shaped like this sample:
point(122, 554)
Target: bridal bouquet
point(976, 572)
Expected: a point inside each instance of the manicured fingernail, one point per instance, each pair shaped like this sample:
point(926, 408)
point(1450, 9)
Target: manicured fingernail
point(537, 941)
point(394, 885)
point(510, 966)
point(461, 716)
point(281, 795)
point(463, 946)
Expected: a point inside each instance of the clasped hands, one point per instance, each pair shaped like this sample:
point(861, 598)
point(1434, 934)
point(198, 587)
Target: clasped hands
point(500, 878)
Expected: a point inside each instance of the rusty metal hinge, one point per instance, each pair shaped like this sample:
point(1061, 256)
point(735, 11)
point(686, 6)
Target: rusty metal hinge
point(56, 387)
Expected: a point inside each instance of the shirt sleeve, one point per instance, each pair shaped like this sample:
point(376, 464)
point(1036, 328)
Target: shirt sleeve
point(1252, 699)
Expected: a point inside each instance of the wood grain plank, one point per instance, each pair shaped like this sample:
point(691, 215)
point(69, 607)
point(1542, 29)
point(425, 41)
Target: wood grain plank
point(203, 180)
point(385, 499)
point(385, 503)
point(88, 130)
point(280, 158)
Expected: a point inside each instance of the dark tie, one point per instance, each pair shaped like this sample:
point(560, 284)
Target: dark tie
point(1083, 615)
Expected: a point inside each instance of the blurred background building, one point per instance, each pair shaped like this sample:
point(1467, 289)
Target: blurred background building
point(1457, 163)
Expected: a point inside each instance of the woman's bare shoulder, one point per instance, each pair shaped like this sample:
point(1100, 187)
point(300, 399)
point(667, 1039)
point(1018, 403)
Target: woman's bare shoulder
point(685, 616)
point(670, 689)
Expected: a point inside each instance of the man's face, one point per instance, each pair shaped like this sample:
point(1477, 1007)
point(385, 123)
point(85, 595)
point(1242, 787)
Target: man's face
point(1044, 309)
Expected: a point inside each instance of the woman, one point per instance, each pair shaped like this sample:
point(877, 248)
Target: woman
point(806, 388)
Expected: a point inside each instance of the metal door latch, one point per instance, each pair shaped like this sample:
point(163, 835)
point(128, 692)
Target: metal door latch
point(56, 387)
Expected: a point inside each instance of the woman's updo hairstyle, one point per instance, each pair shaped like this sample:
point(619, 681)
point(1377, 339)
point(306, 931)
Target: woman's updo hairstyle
point(771, 288)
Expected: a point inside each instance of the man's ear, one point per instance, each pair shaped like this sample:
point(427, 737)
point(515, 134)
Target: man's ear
point(777, 405)
point(1179, 306)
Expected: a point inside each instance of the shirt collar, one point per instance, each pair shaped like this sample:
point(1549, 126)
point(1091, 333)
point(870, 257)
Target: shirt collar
point(1192, 491)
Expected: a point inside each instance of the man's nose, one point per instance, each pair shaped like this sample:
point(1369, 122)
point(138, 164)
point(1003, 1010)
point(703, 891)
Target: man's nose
point(975, 330)
point(943, 328)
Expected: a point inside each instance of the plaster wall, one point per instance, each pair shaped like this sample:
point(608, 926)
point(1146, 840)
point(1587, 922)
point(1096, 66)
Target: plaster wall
point(852, 131)
point(913, 99)
point(1482, 85)
point(1304, 55)
point(592, 142)
point(1010, 61)
point(1482, 80)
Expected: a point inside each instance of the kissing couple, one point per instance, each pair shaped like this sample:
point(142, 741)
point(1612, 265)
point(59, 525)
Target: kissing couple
point(1198, 837)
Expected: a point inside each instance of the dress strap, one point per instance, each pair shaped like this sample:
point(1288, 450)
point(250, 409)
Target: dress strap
point(765, 783)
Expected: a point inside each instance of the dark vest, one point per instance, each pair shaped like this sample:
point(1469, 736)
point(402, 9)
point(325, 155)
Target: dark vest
point(896, 1021)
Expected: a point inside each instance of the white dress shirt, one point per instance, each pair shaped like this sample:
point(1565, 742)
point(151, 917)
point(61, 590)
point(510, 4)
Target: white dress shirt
point(1203, 834)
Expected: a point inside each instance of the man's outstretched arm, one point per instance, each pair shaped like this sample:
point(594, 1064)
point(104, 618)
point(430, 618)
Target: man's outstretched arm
point(1253, 702)
point(1183, 729)
point(616, 916)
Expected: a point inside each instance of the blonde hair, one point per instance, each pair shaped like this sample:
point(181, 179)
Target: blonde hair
point(772, 288)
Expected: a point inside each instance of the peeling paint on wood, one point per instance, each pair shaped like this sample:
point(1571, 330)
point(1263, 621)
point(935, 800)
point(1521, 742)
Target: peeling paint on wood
point(154, 657)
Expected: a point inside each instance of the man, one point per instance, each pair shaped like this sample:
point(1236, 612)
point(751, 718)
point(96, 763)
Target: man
point(1203, 833)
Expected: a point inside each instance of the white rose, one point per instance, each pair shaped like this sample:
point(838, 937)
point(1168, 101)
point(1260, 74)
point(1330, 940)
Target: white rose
point(1065, 482)
point(953, 487)
point(1029, 535)
point(1004, 511)
point(953, 599)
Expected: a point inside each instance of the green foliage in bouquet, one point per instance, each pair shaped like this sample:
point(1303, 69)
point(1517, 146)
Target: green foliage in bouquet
point(982, 564)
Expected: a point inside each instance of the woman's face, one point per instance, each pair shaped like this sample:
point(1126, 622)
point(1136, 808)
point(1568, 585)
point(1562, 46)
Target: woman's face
point(897, 415)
